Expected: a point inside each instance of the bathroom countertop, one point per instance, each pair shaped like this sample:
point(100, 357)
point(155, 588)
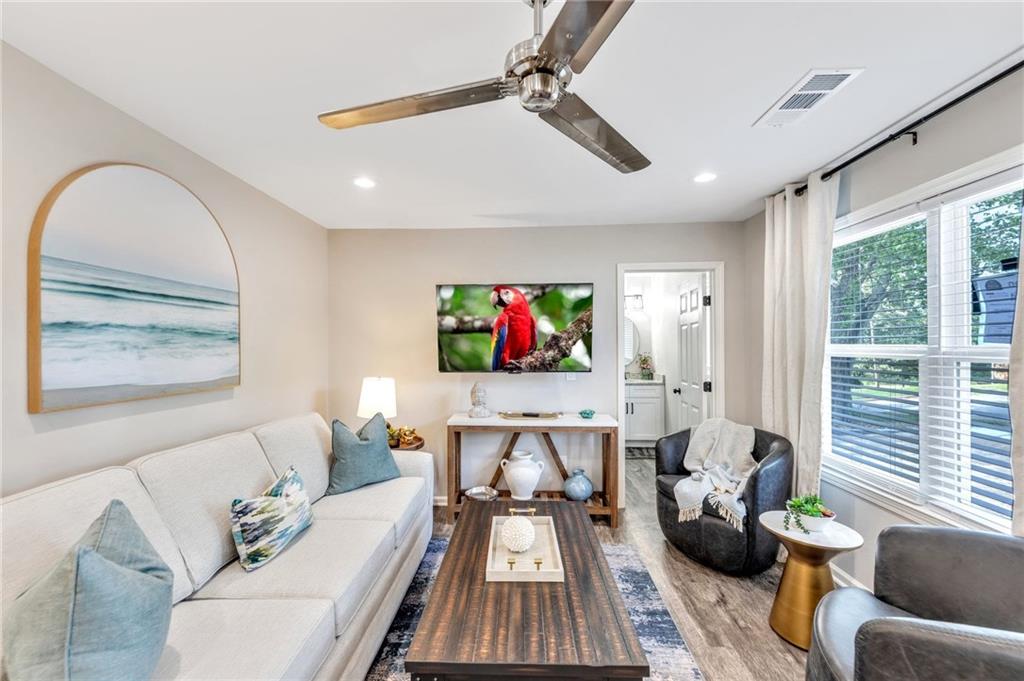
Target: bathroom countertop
point(657, 380)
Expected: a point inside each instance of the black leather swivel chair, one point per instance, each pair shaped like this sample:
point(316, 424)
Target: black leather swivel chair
point(710, 539)
point(948, 605)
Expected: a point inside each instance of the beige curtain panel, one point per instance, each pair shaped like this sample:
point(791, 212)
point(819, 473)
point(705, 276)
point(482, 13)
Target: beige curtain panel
point(798, 256)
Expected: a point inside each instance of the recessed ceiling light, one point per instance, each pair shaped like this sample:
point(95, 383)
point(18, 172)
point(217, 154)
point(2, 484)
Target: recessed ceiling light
point(364, 182)
point(705, 177)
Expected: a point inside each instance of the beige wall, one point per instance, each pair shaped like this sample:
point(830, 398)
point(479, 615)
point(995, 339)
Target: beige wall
point(51, 127)
point(382, 318)
point(753, 264)
point(984, 125)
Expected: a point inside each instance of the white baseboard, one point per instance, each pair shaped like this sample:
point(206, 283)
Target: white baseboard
point(844, 578)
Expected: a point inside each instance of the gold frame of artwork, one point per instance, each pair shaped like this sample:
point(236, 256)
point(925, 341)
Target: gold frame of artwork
point(34, 288)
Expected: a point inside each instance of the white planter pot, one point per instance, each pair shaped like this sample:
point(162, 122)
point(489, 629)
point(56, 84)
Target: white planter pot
point(522, 474)
point(816, 524)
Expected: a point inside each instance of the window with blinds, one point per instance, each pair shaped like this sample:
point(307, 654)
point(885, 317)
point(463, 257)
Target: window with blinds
point(922, 303)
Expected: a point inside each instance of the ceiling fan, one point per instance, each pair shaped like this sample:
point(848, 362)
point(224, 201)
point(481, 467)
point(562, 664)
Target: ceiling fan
point(538, 70)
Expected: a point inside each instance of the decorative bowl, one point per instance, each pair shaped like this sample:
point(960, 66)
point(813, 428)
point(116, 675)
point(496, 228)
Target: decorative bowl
point(482, 493)
point(416, 442)
point(586, 413)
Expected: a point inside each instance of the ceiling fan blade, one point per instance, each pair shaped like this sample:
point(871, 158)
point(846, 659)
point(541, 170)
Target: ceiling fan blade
point(414, 105)
point(574, 118)
point(580, 29)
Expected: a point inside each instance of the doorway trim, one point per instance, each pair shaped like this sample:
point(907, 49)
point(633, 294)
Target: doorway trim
point(717, 269)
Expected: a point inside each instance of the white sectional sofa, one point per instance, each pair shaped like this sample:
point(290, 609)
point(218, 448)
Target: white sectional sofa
point(318, 611)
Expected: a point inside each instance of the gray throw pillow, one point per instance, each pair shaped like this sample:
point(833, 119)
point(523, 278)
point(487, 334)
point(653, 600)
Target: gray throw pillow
point(360, 458)
point(102, 612)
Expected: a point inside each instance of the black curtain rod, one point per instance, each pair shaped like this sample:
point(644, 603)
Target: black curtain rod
point(910, 129)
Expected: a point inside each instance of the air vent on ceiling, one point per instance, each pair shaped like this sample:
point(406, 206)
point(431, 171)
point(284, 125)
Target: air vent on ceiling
point(816, 86)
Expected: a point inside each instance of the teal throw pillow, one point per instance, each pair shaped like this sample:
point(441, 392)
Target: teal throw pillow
point(102, 612)
point(360, 458)
point(264, 526)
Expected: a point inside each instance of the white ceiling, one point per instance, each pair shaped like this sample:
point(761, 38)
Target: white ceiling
point(241, 84)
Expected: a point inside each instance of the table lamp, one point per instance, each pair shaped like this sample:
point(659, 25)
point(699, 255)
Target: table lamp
point(377, 395)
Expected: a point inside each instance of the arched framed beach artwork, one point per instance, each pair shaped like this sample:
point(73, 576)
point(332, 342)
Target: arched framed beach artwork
point(132, 292)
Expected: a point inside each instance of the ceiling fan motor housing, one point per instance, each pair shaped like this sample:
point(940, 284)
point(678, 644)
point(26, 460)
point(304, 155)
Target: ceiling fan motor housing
point(541, 81)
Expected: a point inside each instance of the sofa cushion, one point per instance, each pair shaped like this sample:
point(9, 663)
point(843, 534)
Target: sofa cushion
point(193, 487)
point(261, 640)
point(838, 617)
point(334, 559)
point(40, 525)
point(303, 442)
point(399, 502)
point(101, 612)
point(417, 464)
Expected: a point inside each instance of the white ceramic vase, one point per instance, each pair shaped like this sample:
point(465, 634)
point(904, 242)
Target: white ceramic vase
point(522, 474)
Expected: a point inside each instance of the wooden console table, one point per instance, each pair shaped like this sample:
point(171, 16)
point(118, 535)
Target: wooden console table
point(601, 503)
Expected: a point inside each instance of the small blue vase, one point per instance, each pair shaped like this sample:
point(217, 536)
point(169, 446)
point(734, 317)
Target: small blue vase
point(578, 486)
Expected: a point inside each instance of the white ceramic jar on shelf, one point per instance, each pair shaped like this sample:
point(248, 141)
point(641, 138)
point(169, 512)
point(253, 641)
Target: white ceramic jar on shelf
point(522, 474)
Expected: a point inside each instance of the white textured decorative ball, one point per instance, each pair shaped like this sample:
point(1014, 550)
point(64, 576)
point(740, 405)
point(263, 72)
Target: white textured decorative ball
point(517, 534)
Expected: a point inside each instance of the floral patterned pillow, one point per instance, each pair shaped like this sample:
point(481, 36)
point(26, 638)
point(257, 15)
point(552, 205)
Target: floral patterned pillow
point(263, 527)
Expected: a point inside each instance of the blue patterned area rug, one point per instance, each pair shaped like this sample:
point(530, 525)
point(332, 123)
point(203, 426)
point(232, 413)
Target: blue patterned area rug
point(668, 656)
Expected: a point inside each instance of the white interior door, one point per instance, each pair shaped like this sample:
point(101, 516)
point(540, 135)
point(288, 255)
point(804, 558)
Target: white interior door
point(693, 355)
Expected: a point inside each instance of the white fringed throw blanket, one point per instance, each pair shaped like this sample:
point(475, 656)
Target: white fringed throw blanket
point(719, 459)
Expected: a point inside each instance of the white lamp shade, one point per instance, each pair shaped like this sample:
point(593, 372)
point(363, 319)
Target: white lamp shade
point(377, 395)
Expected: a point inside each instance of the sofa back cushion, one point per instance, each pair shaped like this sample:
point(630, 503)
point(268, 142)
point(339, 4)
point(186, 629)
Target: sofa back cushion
point(193, 487)
point(41, 525)
point(303, 442)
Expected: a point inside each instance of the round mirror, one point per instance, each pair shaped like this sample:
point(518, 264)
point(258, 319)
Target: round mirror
point(630, 341)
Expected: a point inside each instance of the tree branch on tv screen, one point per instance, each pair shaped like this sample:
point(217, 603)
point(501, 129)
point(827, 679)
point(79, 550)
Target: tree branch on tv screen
point(557, 347)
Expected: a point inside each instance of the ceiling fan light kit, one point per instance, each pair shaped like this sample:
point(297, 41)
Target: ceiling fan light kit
point(538, 71)
point(539, 92)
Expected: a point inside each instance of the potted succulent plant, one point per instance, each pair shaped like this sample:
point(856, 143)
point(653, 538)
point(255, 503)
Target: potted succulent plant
point(808, 513)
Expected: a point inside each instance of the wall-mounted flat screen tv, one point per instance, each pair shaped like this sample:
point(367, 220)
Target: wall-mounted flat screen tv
point(514, 328)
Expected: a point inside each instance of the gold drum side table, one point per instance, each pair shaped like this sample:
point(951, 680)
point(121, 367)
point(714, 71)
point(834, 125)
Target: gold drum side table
point(807, 576)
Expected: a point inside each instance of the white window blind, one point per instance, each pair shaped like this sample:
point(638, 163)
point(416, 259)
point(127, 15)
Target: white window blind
point(920, 324)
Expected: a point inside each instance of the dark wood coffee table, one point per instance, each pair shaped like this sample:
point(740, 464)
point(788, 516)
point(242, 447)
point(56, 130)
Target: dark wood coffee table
point(504, 631)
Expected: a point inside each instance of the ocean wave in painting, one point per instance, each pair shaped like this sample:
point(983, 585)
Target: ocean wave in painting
point(104, 327)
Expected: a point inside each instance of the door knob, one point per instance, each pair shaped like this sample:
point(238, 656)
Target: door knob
point(677, 391)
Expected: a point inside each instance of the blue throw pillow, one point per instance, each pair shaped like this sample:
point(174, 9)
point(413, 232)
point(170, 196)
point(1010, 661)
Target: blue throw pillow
point(101, 613)
point(360, 458)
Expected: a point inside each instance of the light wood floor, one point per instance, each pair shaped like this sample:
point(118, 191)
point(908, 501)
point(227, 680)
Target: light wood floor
point(724, 620)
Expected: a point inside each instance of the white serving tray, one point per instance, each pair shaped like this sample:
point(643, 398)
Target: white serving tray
point(545, 547)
